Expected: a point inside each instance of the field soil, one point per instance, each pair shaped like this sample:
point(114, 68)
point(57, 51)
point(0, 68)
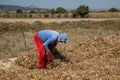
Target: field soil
point(95, 58)
point(92, 52)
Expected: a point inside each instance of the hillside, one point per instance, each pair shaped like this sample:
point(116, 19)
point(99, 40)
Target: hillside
point(14, 8)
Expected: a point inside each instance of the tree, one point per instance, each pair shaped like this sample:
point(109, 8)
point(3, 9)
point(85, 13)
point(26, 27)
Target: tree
point(60, 10)
point(83, 10)
point(18, 11)
point(33, 12)
point(75, 14)
point(46, 15)
point(52, 12)
point(113, 10)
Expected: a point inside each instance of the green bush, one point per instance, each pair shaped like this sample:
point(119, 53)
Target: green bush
point(83, 10)
point(75, 14)
point(60, 10)
point(19, 11)
point(46, 15)
point(32, 11)
point(113, 10)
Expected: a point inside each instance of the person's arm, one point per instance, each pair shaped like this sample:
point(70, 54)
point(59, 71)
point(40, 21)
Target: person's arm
point(46, 43)
point(52, 45)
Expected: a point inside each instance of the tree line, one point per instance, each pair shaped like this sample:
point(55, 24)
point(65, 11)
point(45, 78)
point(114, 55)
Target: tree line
point(81, 11)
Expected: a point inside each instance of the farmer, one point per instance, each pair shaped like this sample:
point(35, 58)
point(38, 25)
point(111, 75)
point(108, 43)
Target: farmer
point(45, 41)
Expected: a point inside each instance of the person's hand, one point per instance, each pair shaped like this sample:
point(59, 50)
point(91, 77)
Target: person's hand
point(49, 53)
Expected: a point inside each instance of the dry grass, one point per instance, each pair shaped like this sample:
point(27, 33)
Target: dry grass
point(12, 40)
point(92, 52)
point(104, 15)
point(67, 15)
point(91, 59)
point(28, 59)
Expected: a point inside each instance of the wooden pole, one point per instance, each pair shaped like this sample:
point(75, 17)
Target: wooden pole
point(24, 38)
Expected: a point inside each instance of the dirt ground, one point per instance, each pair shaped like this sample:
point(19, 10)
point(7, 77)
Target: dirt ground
point(96, 58)
point(92, 52)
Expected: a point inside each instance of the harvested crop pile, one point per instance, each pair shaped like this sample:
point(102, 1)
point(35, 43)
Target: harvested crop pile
point(97, 58)
point(28, 59)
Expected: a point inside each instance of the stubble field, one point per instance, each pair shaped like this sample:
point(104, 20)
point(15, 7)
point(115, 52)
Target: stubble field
point(92, 51)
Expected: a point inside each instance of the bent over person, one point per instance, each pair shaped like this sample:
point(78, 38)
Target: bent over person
point(45, 38)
